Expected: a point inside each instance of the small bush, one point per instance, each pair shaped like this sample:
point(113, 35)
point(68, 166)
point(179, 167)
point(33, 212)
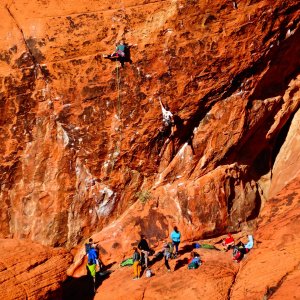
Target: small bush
point(144, 196)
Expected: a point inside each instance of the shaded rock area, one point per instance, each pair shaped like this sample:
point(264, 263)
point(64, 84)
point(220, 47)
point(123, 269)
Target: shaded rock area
point(31, 271)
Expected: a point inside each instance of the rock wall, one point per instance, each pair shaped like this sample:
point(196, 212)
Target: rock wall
point(80, 134)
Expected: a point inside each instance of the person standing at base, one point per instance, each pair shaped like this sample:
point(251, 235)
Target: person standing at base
point(175, 237)
point(145, 250)
point(91, 269)
point(136, 264)
point(167, 255)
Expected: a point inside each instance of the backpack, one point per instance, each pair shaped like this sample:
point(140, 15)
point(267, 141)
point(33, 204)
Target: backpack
point(207, 246)
point(237, 255)
point(127, 262)
point(88, 247)
point(92, 256)
point(151, 252)
point(171, 250)
point(193, 265)
point(196, 245)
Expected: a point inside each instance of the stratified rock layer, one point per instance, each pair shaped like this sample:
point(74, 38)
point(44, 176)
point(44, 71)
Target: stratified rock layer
point(31, 271)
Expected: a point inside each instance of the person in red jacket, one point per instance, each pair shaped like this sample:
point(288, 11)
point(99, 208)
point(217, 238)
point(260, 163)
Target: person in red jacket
point(228, 242)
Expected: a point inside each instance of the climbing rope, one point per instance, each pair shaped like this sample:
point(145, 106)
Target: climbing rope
point(117, 147)
point(118, 88)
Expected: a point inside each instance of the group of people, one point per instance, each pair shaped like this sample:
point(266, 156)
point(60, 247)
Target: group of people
point(170, 250)
point(238, 249)
point(142, 252)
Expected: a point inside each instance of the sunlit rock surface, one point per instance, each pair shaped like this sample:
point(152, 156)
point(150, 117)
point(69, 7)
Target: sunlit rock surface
point(80, 135)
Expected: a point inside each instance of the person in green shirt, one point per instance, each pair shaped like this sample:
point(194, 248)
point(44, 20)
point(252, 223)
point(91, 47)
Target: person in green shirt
point(136, 257)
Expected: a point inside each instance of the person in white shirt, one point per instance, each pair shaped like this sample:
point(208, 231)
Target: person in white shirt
point(168, 125)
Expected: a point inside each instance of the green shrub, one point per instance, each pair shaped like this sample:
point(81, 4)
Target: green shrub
point(144, 196)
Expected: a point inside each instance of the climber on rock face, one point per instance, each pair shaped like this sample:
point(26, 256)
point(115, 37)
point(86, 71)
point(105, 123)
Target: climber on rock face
point(121, 53)
point(168, 118)
point(120, 50)
point(168, 126)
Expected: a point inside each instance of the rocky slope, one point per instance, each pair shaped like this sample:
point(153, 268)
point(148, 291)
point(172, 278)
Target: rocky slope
point(31, 271)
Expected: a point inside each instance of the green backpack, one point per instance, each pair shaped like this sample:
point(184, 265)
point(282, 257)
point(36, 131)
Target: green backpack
point(127, 262)
point(207, 246)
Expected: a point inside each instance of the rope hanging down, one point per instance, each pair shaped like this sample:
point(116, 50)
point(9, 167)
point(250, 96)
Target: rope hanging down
point(118, 87)
point(117, 147)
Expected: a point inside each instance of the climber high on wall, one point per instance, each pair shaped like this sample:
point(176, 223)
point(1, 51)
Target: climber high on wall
point(121, 53)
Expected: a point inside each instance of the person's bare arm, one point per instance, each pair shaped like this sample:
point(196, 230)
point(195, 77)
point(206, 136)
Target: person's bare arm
point(161, 104)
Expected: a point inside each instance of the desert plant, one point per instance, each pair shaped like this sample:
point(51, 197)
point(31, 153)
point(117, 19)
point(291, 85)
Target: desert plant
point(144, 196)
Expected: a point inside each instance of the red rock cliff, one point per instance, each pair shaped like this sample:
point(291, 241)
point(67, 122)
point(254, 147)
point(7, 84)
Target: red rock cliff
point(79, 135)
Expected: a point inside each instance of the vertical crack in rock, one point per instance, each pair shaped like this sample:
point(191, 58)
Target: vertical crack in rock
point(233, 283)
point(272, 290)
point(33, 58)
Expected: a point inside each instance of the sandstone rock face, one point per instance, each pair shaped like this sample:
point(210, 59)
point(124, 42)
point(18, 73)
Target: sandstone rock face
point(81, 142)
point(272, 268)
point(31, 271)
point(80, 135)
point(287, 163)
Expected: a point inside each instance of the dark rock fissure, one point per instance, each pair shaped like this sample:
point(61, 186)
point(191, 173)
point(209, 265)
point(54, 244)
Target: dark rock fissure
point(284, 66)
point(280, 138)
point(27, 43)
point(280, 73)
point(272, 290)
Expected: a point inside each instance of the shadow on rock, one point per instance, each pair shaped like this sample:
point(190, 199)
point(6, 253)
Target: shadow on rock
point(157, 257)
point(186, 249)
point(82, 288)
point(181, 263)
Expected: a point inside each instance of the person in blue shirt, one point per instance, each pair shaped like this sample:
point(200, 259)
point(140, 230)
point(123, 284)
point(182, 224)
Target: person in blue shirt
point(194, 261)
point(120, 50)
point(250, 243)
point(175, 237)
point(93, 256)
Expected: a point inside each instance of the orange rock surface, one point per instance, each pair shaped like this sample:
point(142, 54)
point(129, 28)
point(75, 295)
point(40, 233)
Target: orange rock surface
point(80, 134)
point(272, 268)
point(31, 271)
